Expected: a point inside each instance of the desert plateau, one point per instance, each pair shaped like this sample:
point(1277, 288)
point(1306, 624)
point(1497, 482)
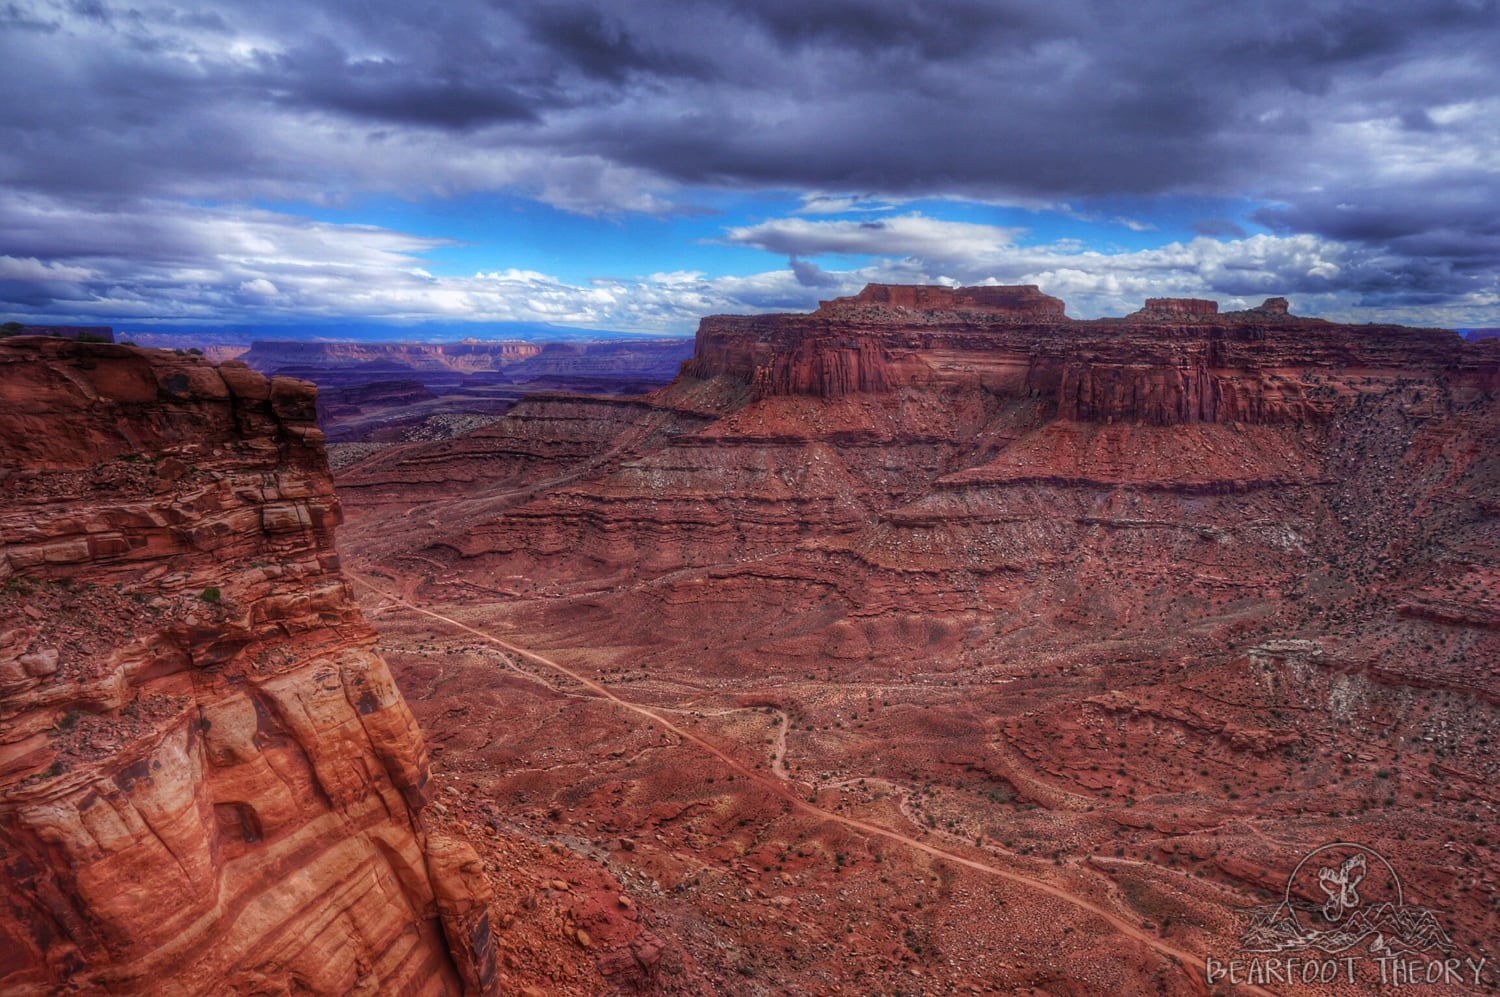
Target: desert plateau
point(799, 498)
point(932, 642)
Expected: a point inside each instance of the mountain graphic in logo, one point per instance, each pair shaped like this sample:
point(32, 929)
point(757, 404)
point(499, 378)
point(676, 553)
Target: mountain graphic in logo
point(1339, 896)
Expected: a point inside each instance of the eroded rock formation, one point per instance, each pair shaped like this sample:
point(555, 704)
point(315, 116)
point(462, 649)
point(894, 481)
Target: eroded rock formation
point(1176, 360)
point(209, 783)
point(1144, 608)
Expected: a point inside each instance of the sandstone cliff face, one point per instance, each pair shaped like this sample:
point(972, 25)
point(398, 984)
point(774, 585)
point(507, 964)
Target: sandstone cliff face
point(908, 302)
point(209, 783)
point(1174, 361)
point(901, 452)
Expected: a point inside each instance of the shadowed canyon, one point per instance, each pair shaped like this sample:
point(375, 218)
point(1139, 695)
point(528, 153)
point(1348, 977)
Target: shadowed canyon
point(932, 642)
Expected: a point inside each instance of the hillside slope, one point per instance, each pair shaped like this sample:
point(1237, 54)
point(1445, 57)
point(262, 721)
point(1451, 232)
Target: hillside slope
point(1144, 607)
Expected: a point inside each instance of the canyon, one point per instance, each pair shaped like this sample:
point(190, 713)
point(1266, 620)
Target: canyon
point(936, 641)
point(389, 392)
point(931, 642)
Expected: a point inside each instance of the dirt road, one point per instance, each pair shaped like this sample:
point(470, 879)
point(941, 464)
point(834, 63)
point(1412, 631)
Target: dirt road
point(1187, 962)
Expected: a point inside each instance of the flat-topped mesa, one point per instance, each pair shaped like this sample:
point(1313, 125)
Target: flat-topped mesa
point(1175, 360)
point(1196, 310)
point(847, 344)
point(895, 302)
point(1179, 308)
point(288, 356)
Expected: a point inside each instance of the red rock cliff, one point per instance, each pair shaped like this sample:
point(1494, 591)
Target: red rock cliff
point(1176, 360)
point(1015, 302)
point(209, 783)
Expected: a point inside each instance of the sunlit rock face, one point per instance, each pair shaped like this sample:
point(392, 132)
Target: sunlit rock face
point(209, 783)
point(1176, 360)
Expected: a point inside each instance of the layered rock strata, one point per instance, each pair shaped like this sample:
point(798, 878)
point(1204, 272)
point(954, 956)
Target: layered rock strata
point(209, 783)
point(973, 453)
point(1174, 361)
point(1145, 607)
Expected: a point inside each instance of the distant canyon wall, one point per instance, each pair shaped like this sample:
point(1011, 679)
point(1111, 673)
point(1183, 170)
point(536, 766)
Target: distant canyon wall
point(268, 355)
point(1174, 361)
point(449, 364)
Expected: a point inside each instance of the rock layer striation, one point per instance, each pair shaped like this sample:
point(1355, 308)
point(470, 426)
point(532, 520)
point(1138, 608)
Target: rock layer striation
point(1176, 360)
point(209, 783)
point(1143, 607)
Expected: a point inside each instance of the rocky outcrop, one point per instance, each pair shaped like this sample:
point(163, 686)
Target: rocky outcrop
point(906, 303)
point(86, 333)
point(1176, 360)
point(1189, 308)
point(209, 783)
point(542, 437)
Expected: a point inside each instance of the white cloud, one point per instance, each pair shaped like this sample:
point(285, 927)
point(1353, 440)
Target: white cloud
point(30, 268)
point(172, 263)
point(259, 287)
point(838, 204)
point(912, 234)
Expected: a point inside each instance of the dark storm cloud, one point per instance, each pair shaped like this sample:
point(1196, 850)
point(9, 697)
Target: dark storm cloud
point(14, 16)
point(935, 30)
point(1371, 124)
point(1430, 242)
point(1047, 99)
point(809, 274)
point(601, 47)
point(322, 76)
point(1462, 199)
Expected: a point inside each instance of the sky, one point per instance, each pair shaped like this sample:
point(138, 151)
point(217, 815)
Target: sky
point(636, 164)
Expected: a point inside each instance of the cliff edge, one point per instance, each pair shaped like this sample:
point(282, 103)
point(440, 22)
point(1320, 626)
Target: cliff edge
point(209, 783)
point(1176, 360)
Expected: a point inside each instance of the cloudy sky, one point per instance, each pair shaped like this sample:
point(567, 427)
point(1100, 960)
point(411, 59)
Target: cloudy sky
point(634, 164)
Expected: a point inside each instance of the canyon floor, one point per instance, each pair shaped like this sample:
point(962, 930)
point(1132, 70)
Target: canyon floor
point(1076, 821)
point(797, 798)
